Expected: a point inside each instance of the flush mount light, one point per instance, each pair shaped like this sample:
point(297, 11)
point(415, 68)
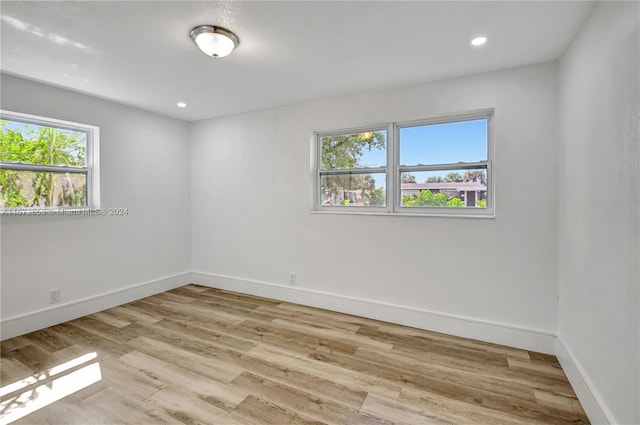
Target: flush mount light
point(214, 41)
point(479, 41)
point(181, 105)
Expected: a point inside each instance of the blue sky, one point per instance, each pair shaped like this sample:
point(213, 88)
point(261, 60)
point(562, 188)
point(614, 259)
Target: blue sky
point(437, 144)
point(21, 126)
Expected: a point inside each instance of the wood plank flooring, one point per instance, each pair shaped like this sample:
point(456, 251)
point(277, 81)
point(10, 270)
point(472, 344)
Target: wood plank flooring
point(196, 355)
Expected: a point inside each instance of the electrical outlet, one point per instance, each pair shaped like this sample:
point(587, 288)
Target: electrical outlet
point(292, 278)
point(54, 296)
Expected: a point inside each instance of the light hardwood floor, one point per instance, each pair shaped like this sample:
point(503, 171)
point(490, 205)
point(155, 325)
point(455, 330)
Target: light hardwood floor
point(196, 355)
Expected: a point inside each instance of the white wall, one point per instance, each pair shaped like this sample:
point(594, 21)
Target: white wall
point(599, 321)
point(145, 168)
point(240, 218)
point(252, 224)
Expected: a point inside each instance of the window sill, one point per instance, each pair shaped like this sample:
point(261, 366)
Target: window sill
point(491, 215)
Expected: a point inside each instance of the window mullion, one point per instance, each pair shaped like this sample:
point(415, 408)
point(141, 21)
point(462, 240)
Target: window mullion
point(478, 186)
point(348, 171)
point(392, 167)
point(42, 168)
point(81, 186)
point(443, 167)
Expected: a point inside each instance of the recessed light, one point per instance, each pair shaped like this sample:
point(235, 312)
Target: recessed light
point(479, 41)
point(181, 105)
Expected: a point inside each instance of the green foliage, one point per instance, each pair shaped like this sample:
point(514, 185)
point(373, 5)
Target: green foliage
point(453, 177)
point(345, 151)
point(10, 189)
point(72, 194)
point(375, 197)
point(475, 176)
point(408, 178)
point(455, 202)
point(481, 203)
point(40, 146)
point(426, 198)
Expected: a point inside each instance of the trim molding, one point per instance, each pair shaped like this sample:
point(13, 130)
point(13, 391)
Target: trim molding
point(32, 321)
point(591, 400)
point(468, 327)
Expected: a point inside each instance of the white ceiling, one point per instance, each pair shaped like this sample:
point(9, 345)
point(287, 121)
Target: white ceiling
point(139, 53)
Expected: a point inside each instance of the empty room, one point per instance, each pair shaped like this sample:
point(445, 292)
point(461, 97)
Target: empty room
point(320, 212)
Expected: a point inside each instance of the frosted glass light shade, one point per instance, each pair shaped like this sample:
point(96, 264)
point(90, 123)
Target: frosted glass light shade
point(214, 41)
point(479, 41)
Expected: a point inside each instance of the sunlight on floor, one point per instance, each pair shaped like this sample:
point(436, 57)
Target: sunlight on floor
point(44, 388)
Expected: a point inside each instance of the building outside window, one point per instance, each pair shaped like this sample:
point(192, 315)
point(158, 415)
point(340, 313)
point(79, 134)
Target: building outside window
point(432, 166)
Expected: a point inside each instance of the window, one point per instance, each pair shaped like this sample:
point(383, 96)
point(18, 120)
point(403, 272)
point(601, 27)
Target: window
point(353, 168)
point(438, 166)
point(47, 163)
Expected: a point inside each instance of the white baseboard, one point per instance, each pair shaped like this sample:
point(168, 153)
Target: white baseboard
point(468, 327)
point(483, 330)
point(32, 321)
point(592, 403)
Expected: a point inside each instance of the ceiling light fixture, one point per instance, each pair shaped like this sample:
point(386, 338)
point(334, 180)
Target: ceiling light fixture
point(181, 105)
point(479, 41)
point(216, 42)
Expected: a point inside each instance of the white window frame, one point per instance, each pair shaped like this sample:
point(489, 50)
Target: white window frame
point(393, 170)
point(91, 170)
point(346, 171)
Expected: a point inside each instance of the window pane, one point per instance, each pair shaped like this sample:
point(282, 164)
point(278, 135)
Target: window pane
point(448, 188)
point(448, 143)
point(354, 150)
point(42, 189)
point(353, 190)
point(42, 145)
